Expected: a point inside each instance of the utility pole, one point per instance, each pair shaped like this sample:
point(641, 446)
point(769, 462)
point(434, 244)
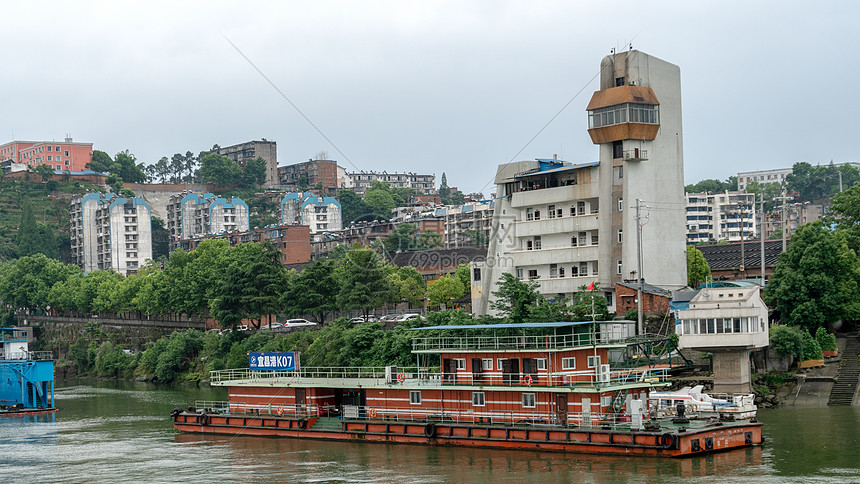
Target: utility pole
point(640, 328)
point(761, 237)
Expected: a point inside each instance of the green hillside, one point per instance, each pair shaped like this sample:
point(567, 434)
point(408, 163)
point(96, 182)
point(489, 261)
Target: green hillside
point(50, 204)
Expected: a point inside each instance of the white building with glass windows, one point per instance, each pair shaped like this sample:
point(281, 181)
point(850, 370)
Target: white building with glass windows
point(108, 231)
point(728, 322)
point(193, 214)
point(570, 224)
point(322, 214)
point(715, 217)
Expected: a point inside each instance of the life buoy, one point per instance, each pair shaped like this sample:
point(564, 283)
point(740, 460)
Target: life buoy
point(669, 411)
point(303, 424)
point(430, 430)
point(175, 413)
point(280, 411)
point(203, 419)
point(667, 441)
point(372, 413)
point(401, 377)
point(528, 380)
point(693, 407)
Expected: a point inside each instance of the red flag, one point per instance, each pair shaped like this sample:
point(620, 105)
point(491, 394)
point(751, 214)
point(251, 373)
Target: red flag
point(590, 286)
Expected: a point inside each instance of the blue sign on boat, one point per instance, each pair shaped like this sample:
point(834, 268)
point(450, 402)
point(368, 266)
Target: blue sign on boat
point(288, 361)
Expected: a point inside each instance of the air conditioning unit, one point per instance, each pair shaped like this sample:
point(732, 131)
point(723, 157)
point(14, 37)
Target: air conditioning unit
point(603, 373)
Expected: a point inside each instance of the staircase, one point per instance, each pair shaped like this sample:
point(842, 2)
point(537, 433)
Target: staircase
point(327, 423)
point(846, 382)
point(38, 403)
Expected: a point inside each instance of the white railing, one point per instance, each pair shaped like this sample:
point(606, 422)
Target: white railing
point(377, 374)
point(28, 355)
point(419, 414)
point(434, 343)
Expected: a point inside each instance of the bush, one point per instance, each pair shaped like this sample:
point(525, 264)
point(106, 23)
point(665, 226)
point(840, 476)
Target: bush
point(786, 341)
point(811, 348)
point(826, 340)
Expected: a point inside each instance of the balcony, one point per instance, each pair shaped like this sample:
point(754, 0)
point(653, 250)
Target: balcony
point(553, 255)
point(579, 223)
point(546, 196)
point(635, 154)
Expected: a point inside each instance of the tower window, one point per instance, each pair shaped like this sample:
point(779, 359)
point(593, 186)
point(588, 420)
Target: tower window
point(619, 81)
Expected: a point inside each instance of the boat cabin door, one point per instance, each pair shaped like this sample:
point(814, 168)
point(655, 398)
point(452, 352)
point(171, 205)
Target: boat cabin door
point(300, 400)
point(586, 411)
point(561, 408)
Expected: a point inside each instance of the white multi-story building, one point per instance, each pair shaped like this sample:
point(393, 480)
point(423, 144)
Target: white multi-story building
point(110, 232)
point(717, 217)
point(194, 214)
point(464, 222)
point(360, 182)
point(569, 225)
point(773, 176)
point(322, 214)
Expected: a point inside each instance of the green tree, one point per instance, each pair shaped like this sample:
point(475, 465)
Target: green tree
point(463, 273)
point(412, 287)
point(404, 237)
point(590, 305)
point(445, 290)
point(444, 190)
point(698, 270)
point(846, 216)
point(160, 238)
point(514, 297)
point(816, 281)
point(818, 182)
point(713, 185)
point(770, 192)
point(28, 232)
point(786, 341)
point(254, 172)
point(313, 291)
point(353, 208)
point(101, 162)
point(45, 171)
point(380, 202)
point(27, 282)
point(219, 170)
point(251, 286)
point(477, 238)
point(363, 282)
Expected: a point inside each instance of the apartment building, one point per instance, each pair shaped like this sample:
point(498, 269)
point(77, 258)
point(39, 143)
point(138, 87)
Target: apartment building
point(107, 231)
point(773, 176)
point(300, 176)
point(464, 224)
point(717, 217)
point(59, 155)
point(305, 208)
point(360, 182)
point(195, 214)
point(293, 241)
point(795, 215)
point(242, 152)
point(570, 224)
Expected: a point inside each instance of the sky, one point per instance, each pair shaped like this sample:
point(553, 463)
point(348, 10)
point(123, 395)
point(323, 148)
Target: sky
point(430, 87)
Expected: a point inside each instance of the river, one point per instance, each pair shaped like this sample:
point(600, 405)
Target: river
point(121, 432)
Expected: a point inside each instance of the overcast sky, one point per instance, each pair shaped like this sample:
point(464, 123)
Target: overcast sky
point(456, 87)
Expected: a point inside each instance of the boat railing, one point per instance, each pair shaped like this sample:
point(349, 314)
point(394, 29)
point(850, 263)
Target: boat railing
point(28, 355)
point(523, 342)
point(433, 377)
point(521, 417)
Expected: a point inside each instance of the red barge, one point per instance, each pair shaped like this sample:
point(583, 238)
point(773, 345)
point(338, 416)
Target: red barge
point(577, 387)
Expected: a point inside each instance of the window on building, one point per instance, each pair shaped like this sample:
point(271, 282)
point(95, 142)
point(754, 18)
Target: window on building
point(533, 274)
point(568, 363)
point(553, 270)
point(574, 271)
point(541, 363)
point(486, 364)
point(620, 204)
point(619, 235)
point(537, 214)
point(537, 242)
point(57, 149)
point(66, 153)
point(461, 363)
point(573, 241)
point(617, 149)
point(49, 157)
point(530, 214)
point(478, 399)
point(529, 400)
point(561, 271)
point(619, 267)
point(415, 397)
point(519, 273)
point(605, 401)
point(49, 148)
point(593, 361)
point(476, 273)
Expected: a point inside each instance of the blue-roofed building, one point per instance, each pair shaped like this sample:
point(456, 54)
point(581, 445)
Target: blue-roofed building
point(321, 214)
point(107, 231)
point(192, 215)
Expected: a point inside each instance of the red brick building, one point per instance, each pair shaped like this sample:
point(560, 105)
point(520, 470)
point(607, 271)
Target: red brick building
point(654, 299)
point(293, 241)
point(59, 155)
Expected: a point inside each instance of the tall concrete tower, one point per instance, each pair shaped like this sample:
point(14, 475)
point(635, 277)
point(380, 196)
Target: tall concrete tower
point(635, 119)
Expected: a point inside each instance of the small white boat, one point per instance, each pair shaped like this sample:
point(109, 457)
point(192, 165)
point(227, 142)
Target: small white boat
point(701, 405)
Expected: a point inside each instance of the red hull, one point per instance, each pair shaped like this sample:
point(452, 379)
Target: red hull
point(27, 411)
point(596, 441)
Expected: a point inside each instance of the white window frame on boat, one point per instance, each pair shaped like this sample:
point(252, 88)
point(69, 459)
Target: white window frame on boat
point(529, 400)
point(415, 397)
point(591, 361)
point(541, 363)
point(566, 366)
point(486, 363)
point(478, 399)
point(461, 363)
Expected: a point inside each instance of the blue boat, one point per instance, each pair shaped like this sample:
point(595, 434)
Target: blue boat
point(26, 377)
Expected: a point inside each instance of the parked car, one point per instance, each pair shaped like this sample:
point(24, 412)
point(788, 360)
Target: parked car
point(411, 317)
point(361, 319)
point(272, 326)
point(389, 318)
point(291, 323)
